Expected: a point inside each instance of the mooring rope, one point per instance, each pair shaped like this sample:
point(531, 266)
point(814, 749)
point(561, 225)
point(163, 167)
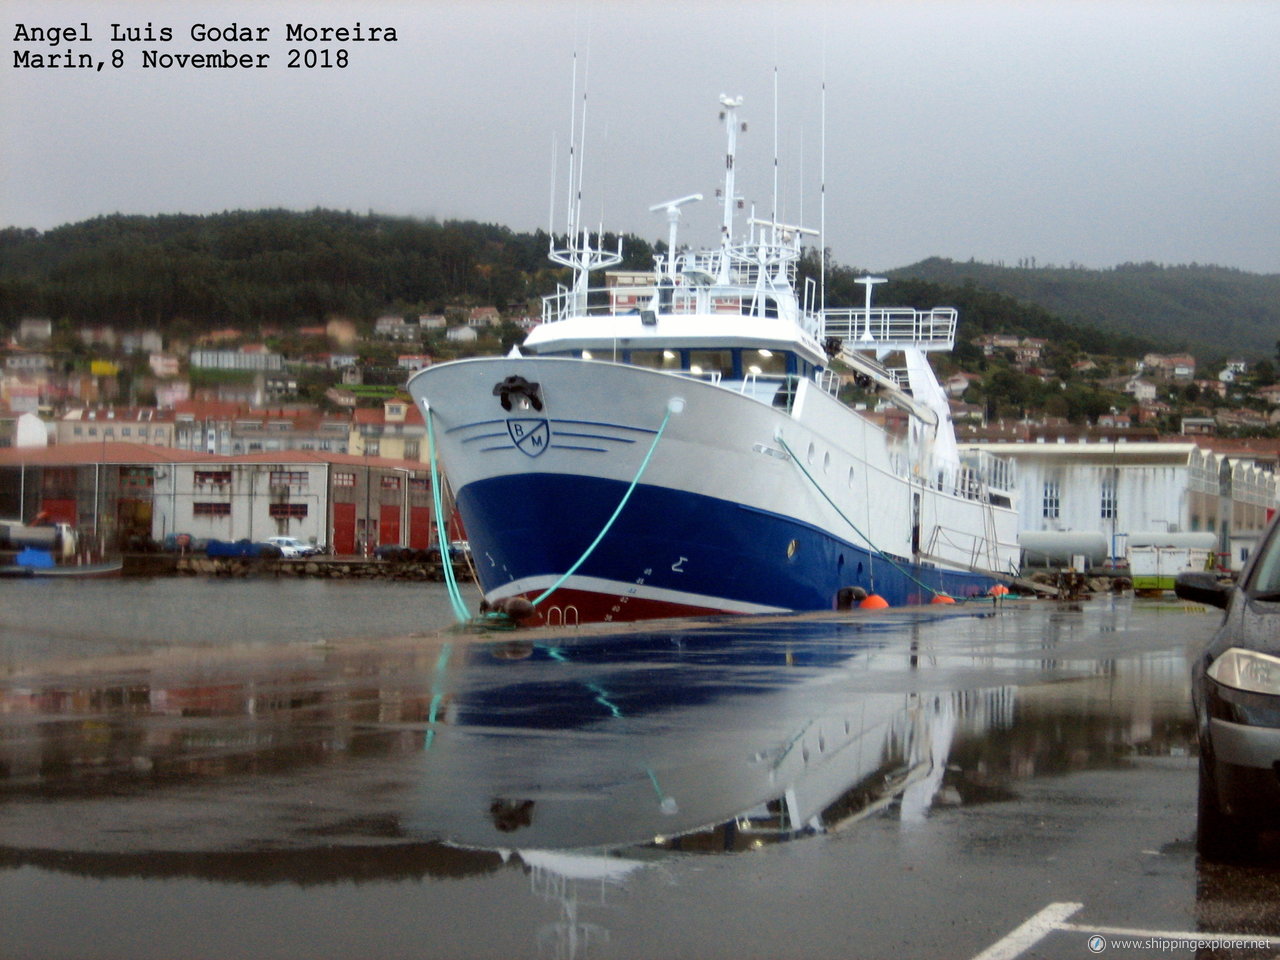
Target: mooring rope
point(674, 406)
point(817, 486)
point(459, 605)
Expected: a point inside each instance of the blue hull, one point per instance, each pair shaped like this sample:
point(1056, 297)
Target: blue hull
point(681, 550)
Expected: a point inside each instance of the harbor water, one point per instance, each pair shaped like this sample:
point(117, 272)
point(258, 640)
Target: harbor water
point(262, 768)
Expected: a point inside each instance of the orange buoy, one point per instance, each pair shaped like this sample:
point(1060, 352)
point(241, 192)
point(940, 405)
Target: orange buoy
point(874, 602)
point(942, 598)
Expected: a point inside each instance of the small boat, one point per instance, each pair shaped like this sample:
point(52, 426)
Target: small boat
point(672, 443)
point(23, 566)
point(46, 549)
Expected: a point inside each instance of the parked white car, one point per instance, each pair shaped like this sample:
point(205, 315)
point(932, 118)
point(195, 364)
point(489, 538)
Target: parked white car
point(293, 547)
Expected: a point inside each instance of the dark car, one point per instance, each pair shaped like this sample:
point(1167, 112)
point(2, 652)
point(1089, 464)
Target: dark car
point(1235, 688)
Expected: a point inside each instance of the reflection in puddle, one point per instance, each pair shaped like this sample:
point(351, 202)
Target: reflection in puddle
point(581, 762)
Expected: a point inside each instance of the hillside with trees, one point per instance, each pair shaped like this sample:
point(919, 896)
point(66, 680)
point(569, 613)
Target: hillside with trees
point(185, 274)
point(270, 266)
point(1215, 312)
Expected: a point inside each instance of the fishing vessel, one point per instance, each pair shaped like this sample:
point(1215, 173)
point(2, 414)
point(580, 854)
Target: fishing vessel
point(674, 444)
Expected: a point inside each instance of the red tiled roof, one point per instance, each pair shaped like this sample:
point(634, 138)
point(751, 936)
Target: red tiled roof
point(119, 452)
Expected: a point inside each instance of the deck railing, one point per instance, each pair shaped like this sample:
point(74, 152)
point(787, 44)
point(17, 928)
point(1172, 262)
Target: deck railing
point(893, 326)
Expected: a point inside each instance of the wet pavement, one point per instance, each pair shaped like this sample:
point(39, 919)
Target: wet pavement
point(910, 783)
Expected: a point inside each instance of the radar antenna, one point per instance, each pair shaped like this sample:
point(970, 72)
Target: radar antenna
point(672, 207)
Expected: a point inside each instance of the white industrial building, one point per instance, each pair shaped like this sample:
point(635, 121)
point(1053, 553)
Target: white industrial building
point(1093, 498)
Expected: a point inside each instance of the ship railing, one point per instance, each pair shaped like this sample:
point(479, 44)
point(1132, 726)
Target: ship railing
point(996, 473)
point(828, 380)
point(734, 300)
point(891, 327)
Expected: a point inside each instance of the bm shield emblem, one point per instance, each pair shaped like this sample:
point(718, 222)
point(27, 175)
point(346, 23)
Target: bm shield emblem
point(531, 437)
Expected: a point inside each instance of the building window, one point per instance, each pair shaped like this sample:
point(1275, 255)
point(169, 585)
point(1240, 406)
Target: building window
point(214, 477)
point(288, 478)
point(419, 485)
point(1052, 499)
point(211, 509)
point(1109, 498)
point(411, 450)
point(390, 483)
point(371, 448)
point(287, 511)
point(344, 479)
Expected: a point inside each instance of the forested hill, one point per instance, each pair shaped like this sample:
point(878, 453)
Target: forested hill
point(268, 266)
point(185, 274)
point(1214, 311)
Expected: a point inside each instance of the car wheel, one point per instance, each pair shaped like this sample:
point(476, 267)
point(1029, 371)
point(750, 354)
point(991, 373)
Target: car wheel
point(1219, 835)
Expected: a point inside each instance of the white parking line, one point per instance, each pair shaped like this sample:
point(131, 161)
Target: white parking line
point(1030, 933)
point(1052, 919)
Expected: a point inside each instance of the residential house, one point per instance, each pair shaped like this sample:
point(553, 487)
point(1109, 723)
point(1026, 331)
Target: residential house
point(142, 341)
point(395, 430)
point(1141, 390)
point(413, 362)
point(28, 362)
point(104, 424)
point(21, 397)
point(483, 317)
point(390, 327)
point(164, 365)
point(35, 330)
point(956, 384)
point(1175, 367)
point(252, 357)
point(171, 393)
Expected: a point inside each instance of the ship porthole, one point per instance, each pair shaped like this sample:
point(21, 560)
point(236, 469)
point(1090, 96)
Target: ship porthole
point(826, 462)
point(792, 547)
point(813, 451)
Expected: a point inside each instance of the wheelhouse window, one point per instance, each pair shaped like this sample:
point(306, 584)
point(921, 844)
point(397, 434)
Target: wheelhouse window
point(764, 362)
point(656, 359)
point(706, 363)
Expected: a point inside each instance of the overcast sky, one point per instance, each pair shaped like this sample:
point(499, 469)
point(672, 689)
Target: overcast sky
point(1087, 132)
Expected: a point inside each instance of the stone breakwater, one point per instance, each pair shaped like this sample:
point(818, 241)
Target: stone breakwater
point(332, 568)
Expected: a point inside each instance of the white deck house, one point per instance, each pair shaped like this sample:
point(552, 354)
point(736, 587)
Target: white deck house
point(1092, 496)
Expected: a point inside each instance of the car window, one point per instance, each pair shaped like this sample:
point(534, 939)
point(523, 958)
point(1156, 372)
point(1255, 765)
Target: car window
point(1266, 575)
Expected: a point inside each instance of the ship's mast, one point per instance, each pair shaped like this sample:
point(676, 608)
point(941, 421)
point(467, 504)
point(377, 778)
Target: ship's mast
point(577, 253)
point(729, 114)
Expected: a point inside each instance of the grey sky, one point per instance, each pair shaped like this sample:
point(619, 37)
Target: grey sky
point(1087, 132)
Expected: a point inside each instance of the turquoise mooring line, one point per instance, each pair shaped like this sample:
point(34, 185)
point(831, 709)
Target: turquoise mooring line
point(622, 503)
point(459, 605)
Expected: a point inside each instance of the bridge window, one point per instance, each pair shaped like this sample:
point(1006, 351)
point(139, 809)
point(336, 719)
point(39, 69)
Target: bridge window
point(706, 362)
point(656, 359)
point(764, 362)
